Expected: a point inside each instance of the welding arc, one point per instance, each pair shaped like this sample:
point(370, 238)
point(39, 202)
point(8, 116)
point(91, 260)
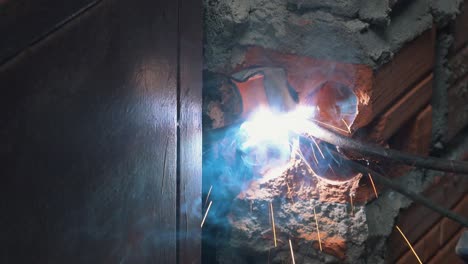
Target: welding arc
point(375, 150)
point(410, 194)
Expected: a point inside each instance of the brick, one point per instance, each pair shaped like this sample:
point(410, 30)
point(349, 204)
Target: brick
point(409, 66)
point(458, 65)
point(435, 239)
point(461, 28)
point(457, 107)
point(458, 91)
point(447, 226)
point(447, 253)
point(415, 136)
point(417, 219)
point(425, 248)
point(402, 111)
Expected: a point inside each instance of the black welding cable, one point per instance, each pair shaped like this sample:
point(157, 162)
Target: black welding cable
point(375, 150)
point(410, 194)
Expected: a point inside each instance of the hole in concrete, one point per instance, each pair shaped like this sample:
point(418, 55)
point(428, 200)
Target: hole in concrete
point(336, 104)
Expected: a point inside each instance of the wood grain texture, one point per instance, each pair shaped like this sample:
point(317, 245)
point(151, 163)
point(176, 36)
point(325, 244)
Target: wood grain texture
point(190, 132)
point(24, 22)
point(88, 136)
point(414, 61)
point(402, 111)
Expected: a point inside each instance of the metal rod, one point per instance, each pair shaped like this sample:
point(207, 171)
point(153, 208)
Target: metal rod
point(341, 141)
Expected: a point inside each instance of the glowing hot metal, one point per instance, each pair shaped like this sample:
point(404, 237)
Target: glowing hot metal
point(292, 252)
point(206, 214)
point(409, 244)
point(318, 232)
point(273, 223)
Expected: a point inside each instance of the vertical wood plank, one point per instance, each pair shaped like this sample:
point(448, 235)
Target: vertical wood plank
point(190, 133)
point(89, 140)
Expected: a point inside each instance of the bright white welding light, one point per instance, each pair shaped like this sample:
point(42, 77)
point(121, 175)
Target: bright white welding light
point(264, 127)
point(298, 120)
point(266, 137)
point(265, 140)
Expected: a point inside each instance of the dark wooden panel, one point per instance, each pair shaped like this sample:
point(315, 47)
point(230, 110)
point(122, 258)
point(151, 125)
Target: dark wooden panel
point(88, 140)
point(23, 22)
point(190, 140)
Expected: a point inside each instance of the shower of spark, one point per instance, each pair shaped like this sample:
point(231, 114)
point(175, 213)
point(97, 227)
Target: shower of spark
point(267, 137)
point(320, 151)
point(318, 232)
point(328, 125)
point(409, 244)
point(292, 252)
point(273, 223)
point(208, 195)
point(206, 214)
point(373, 185)
point(347, 126)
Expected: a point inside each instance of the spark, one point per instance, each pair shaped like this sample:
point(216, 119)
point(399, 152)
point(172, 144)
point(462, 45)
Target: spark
point(332, 170)
point(373, 185)
point(315, 156)
point(328, 125)
point(301, 156)
point(273, 223)
point(346, 124)
point(206, 213)
point(409, 244)
point(292, 252)
point(318, 232)
point(208, 195)
point(321, 153)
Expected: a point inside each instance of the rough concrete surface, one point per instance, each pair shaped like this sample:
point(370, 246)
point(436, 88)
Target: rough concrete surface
point(367, 32)
point(294, 194)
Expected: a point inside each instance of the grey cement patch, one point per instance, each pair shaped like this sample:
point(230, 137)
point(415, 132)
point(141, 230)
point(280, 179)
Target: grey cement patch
point(439, 99)
point(446, 10)
point(365, 32)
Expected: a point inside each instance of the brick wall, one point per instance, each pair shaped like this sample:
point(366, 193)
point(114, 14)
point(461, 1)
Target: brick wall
point(407, 125)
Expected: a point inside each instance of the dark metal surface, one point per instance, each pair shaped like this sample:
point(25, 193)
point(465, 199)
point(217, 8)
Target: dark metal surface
point(89, 139)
